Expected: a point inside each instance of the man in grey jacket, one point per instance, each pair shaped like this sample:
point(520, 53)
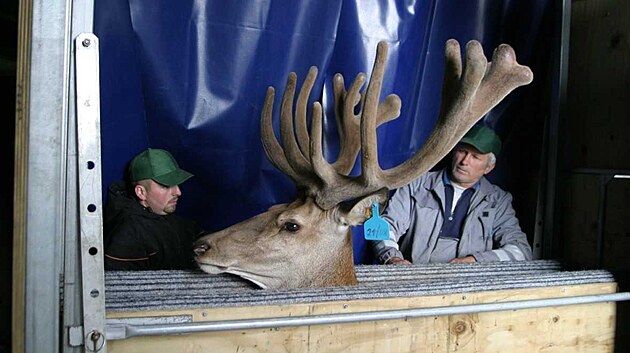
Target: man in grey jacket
point(455, 214)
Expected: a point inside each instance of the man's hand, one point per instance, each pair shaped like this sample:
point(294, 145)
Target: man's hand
point(464, 259)
point(397, 261)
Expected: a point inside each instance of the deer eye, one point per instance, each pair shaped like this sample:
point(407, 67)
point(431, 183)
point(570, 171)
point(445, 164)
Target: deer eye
point(291, 227)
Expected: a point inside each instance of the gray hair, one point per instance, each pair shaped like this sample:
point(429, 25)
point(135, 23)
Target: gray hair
point(492, 159)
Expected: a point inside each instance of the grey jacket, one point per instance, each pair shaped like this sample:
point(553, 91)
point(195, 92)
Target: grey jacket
point(415, 213)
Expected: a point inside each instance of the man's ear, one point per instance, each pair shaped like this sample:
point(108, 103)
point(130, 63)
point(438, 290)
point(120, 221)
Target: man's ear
point(140, 191)
point(489, 168)
point(357, 213)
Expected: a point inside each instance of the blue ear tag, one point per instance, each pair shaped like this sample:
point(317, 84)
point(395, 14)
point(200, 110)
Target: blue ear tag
point(375, 228)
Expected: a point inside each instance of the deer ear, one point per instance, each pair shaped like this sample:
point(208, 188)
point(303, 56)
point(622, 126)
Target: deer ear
point(357, 212)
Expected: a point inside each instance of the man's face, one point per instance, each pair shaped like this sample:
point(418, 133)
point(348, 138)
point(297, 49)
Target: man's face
point(468, 165)
point(160, 198)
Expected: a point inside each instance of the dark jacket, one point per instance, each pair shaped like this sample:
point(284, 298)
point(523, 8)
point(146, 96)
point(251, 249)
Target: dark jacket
point(137, 239)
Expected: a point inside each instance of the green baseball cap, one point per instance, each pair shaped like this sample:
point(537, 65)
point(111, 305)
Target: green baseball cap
point(484, 139)
point(158, 165)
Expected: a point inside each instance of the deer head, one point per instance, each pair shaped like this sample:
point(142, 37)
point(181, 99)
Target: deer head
point(308, 242)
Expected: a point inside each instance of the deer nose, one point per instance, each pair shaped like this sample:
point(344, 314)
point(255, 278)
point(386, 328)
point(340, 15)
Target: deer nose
point(201, 248)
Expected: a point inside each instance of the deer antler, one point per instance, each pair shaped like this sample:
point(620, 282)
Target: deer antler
point(467, 95)
point(294, 159)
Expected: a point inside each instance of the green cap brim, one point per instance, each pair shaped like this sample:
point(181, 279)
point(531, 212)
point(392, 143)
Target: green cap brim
point(481, 147)
point(175, 177)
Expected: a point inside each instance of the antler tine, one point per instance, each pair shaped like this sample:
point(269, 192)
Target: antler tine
point(301, 129)
point(388, 110)
point(338, 186)
point(478, 89)
point(370, 168)
point(270, 143)
point(289, 159)
point(458, 89)
point(294, 156)
point(347, 121)
point(349, 124)
point(467, 95)
point(504, 74)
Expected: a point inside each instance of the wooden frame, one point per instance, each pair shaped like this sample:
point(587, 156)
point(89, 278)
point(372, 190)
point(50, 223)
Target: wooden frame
point(570, 328)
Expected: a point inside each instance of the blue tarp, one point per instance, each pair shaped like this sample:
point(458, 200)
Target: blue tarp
point(191, 77)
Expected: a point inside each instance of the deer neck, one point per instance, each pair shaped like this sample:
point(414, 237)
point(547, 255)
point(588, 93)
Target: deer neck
point(336, 270)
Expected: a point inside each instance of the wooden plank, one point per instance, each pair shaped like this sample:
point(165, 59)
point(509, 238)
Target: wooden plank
point(574, 328)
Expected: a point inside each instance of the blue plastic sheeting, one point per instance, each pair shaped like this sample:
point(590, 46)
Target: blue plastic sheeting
point(191, 77)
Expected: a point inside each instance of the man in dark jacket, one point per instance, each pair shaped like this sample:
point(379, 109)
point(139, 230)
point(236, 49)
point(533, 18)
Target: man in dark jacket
point(141, 231)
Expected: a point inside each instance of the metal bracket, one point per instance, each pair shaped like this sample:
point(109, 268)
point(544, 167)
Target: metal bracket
point(90, 204)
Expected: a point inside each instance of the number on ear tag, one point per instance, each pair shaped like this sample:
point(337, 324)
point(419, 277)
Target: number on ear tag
point(375, 228)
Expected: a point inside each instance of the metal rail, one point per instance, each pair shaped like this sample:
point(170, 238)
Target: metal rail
point(125, 331)
point(90, 210)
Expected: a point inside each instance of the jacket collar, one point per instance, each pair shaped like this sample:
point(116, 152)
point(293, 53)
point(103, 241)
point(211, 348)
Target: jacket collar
point(436, 181)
